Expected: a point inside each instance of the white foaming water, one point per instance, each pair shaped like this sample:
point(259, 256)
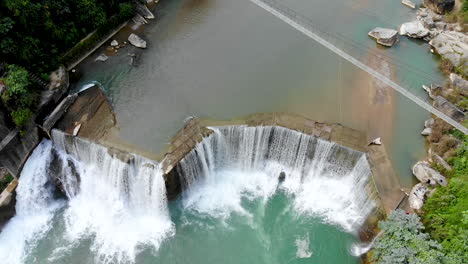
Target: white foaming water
point(116, 200)
point(121, 203)
point(325, 180)
point(35, 207)
point(302, 245)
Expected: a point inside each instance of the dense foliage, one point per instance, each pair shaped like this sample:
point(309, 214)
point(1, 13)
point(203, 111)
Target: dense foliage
point(35, 34)
point(403, 241)
point(21, 95)
point(38, 35)
point(446, 212)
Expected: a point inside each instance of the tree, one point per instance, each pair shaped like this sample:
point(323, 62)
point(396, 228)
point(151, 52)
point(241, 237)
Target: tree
point(403, 241)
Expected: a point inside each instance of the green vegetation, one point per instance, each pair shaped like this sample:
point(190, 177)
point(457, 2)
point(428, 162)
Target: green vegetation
point(21, 96)
point(5, 181)
point(460, 16)
point(36, 34)
point(445, 217)
point(446, 212)
point(36, 37)
point(403, 241)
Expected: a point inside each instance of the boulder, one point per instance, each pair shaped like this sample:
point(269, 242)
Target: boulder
point(384, 36)
point(139, 20)
point(452, 46)
point(448, 108)
point(414, 29)
point(417, 196)
point(59, 79)
point(144, 11)
point(102, 58)
point(427, 175)
point(427, 131)
point(137, 41)
point(408, 3)
point(428, 123)
point(114, 43)
point(440, 6)
point(459, 83)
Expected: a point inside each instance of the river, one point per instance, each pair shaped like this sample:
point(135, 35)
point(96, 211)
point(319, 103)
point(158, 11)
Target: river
point(222, 59)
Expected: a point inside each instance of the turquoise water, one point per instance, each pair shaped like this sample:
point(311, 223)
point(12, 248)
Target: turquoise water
point(268, 235)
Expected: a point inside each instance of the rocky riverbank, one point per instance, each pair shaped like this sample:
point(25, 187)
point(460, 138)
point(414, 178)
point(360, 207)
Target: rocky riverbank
point(450, 41)
point(439, 198)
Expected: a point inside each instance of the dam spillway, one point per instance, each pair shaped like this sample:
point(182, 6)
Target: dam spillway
point(231, 172)
point(324, 178)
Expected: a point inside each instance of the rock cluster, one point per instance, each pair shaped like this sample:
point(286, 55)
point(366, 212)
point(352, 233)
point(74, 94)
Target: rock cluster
point(445, 38)
point(452, 46)
point(428, 177)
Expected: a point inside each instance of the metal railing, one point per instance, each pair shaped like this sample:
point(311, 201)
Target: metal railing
point(329, 40)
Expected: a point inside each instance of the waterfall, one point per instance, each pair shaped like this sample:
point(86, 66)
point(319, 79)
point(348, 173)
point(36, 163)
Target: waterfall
point(116, 201)
point(326, 180)
point(121, 201)
point(35, 207)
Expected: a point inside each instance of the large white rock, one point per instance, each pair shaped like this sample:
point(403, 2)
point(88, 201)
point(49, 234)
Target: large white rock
point(452, 46)
point(102, 58)
point(114, 43)
point(137, 41)
point(417, 196)
point(414, 29)
point(428, 175)
point(427, 131)
point(384, 36)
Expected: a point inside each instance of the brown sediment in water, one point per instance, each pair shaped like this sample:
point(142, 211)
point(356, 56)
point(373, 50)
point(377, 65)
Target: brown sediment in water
point(374, 101)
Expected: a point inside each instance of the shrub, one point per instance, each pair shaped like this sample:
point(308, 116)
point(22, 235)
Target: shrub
point(126, 10)
point(21, 116)
point(446, 211)
point(5, 181)
point(17, 80)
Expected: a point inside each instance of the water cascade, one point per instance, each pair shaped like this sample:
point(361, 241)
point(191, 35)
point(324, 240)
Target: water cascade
point(326, 180)
point(117, 201)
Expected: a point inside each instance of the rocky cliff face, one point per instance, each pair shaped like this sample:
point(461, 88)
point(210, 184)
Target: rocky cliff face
point(440, 6)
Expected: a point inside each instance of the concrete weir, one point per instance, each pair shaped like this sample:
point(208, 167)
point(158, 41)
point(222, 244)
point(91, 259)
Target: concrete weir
point(384, 180)
point(90, 117)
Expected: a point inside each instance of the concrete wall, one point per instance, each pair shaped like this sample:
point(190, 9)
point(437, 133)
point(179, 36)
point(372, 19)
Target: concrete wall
point(384, 186)
point(16, 147)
